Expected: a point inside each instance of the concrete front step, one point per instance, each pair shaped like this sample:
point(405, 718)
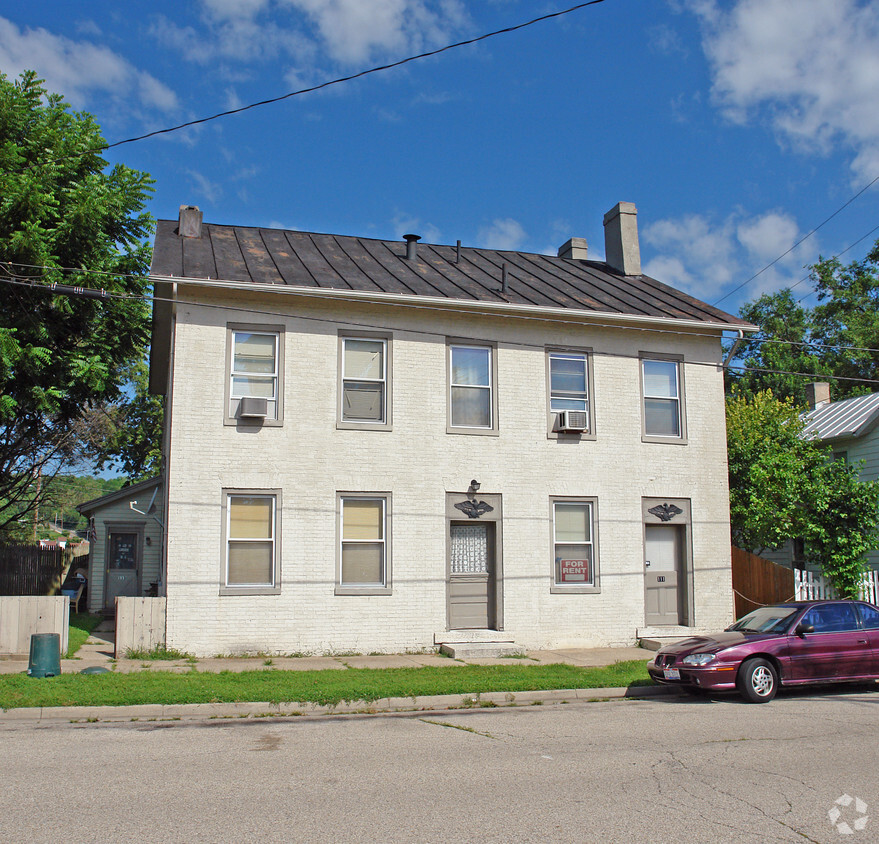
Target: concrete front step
point(481, 650)
point(472, 635)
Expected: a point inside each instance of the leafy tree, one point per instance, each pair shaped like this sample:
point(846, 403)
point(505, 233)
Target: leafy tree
point(836, 340)
point(847, 319)
point(66, 219)
point(127, 434)
point(780, 347)
point(784, 487)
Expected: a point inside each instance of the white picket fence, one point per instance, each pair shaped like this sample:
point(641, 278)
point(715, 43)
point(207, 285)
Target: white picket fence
point(811, 586)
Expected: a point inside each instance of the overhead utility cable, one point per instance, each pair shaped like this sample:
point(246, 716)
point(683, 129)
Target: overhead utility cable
point(353, 76)
point(803, 238)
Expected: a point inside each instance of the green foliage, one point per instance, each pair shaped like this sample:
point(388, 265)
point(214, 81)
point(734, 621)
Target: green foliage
point(836, 340)
point(327, 687)
point(64, 218)
point(784, 487)
point(80, 628)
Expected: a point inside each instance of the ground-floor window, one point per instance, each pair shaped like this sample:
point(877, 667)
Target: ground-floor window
point(363, 543)
point(574, 544)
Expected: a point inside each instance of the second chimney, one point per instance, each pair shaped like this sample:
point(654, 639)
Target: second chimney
point(621, 248)
point(817, 394)
point(575, 249)
point(189, 223)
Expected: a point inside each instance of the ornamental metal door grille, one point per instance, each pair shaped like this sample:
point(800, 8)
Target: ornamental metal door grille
point(469, 549)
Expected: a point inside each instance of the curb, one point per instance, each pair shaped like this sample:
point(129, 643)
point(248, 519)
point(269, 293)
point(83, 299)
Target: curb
point(49, 715)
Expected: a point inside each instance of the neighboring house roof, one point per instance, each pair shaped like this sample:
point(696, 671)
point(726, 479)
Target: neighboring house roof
point(126, 492)
point(842, 419)
point(236, 254)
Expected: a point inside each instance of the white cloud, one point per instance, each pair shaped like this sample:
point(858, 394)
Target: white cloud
point(79, 69)
point(705, 258)
point(503, 234)
point(211, 191)
point(350, 32)
point(809, 67)
point(407, 224)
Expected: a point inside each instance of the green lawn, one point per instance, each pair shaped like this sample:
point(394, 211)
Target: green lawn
point(81, 626)
point(323, 687)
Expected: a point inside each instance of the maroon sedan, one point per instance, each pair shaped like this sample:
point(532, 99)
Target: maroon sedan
point(791, 644)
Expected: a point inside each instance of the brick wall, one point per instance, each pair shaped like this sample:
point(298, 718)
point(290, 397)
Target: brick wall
point(310, 460)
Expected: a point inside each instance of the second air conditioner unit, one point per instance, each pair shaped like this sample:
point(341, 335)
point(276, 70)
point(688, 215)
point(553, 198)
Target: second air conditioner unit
point(252, 407)
point(573, 421)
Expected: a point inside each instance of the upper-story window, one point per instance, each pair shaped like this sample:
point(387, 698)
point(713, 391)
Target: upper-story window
point(255, 362)
point(569, 392)
point(662, 390)
point(471, 387)
point(365, 382)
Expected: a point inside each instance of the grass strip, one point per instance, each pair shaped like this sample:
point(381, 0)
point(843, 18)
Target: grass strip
point(81, 626)
point(322, 687)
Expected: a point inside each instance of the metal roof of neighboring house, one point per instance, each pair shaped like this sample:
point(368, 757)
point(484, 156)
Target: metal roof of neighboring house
point(336, 262)
point(842, 419)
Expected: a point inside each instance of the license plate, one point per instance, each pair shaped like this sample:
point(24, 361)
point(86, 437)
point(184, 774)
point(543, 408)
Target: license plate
point(671, 674)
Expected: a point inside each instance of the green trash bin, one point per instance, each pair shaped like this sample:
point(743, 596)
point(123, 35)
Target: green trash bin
point(45, 657)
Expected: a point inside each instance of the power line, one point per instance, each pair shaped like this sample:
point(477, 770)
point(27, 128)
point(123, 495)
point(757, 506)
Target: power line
point(342, 79)
point(803, 238)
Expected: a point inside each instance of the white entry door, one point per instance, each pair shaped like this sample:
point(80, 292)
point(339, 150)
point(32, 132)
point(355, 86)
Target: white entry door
point(663, 580)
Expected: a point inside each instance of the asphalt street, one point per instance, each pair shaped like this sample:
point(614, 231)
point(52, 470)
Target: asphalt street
point(664, 770)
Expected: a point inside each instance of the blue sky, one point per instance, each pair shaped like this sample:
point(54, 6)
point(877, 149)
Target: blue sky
point(735, 126)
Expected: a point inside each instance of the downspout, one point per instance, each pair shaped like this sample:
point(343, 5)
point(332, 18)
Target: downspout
point(734, 349)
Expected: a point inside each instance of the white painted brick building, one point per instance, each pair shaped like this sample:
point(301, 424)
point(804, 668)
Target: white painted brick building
point(331, 401)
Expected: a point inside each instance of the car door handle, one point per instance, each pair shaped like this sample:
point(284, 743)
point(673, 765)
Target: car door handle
point(862, 641)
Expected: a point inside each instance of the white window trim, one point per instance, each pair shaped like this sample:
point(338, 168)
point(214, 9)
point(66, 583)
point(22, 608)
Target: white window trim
point(255, 588)
point(681, 439)
point(364, 588)
point(594, 587)
point(491, 348)
point(552, 416)
point(252, 328)
point(365, 424)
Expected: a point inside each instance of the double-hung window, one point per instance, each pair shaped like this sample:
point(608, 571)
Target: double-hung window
point(663, 412)
point(569, 391)
point(574, 546)
point(363, 544)
point(254, 374)
point(251, 530)
point(365, 382)
point(471, 387)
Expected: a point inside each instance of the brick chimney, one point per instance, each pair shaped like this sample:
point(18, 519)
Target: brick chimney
point(621, 248)
point(574, 249)
point(189, 224)
point(817, 394)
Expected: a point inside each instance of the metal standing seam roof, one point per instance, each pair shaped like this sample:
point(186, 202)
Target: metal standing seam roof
point(339, 262)
point(842, 419)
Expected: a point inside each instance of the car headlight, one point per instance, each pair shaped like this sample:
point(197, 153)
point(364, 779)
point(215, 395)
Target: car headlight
point(698, 659)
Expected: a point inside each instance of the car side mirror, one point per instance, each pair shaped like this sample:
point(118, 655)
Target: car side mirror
point(802, 629)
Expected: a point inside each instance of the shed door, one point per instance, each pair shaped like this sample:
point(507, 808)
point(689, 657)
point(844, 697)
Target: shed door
point(472, 576)
point(123, 563)
point(663, 581)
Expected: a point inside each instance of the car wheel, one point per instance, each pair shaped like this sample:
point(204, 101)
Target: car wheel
point(757, 680)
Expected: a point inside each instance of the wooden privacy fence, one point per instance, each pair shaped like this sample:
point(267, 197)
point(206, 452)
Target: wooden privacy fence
point(811, 586)
point(757, 582)
point(140, 624)
point(29, 570)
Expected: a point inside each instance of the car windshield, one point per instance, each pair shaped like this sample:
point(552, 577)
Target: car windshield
point(765, 620)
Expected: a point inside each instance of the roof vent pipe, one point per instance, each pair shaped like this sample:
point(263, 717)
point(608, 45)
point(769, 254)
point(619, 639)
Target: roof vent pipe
point(411, 246)
point(458, 253)
point(189, 221)
point(504, 278)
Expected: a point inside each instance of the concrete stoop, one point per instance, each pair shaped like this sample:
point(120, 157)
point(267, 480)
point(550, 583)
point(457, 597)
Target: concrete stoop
point(478, 650)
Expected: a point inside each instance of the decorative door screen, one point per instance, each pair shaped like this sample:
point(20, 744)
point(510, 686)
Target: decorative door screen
point(469, 549)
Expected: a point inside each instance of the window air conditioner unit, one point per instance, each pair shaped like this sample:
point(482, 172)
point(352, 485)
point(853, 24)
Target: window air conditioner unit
point(253, 407)
point(574, 421)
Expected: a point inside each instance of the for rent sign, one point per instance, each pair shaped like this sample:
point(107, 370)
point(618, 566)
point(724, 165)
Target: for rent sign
point(574, 571)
